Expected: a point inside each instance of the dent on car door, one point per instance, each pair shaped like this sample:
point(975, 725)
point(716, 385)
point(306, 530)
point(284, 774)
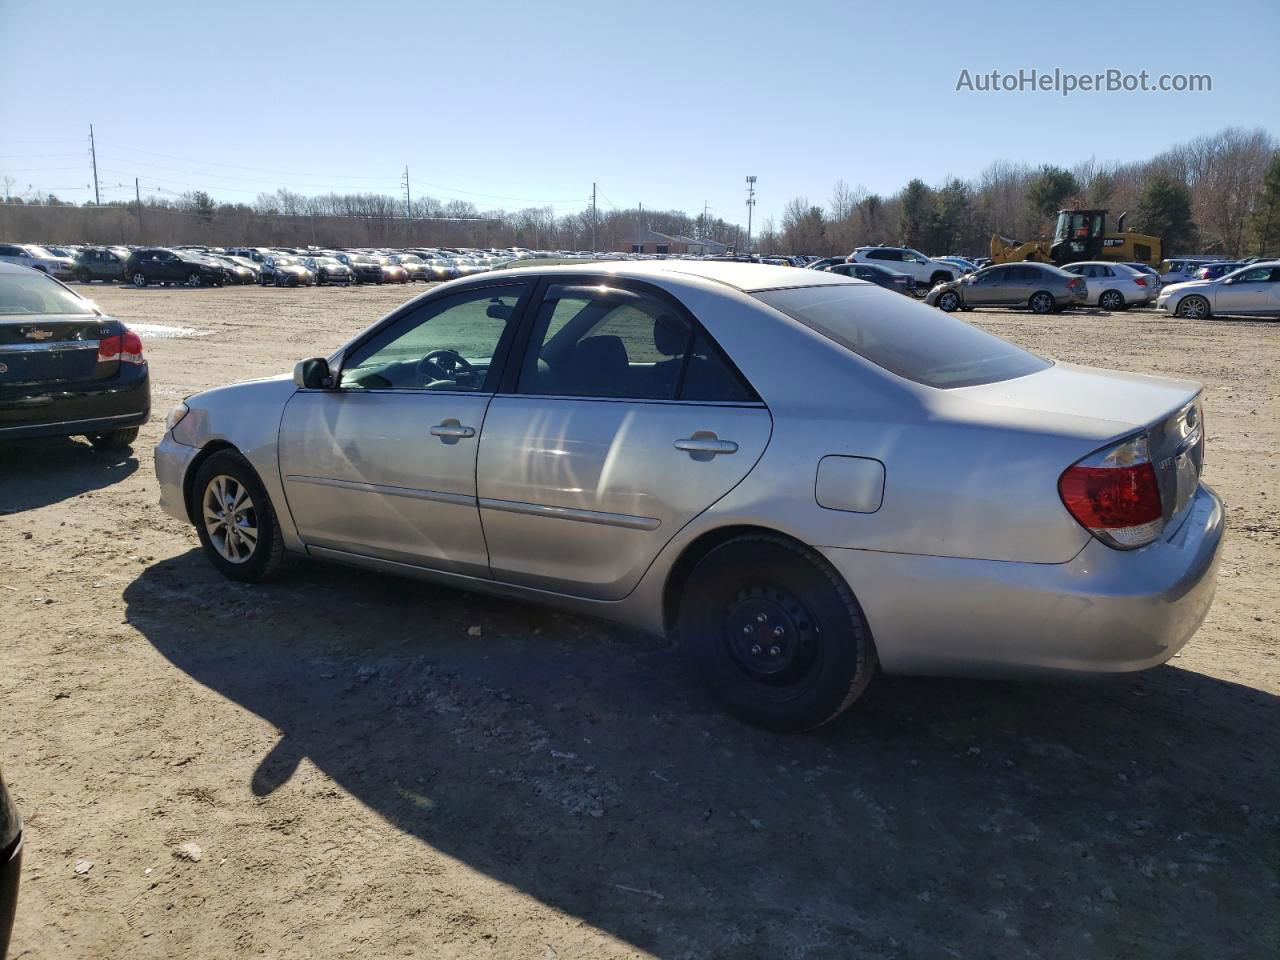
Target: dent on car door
point(626, 422)
point(384, 464)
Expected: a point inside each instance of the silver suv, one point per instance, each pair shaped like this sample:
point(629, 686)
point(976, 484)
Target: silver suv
point(925, 271)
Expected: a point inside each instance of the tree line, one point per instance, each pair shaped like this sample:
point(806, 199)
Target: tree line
point(1216, 194)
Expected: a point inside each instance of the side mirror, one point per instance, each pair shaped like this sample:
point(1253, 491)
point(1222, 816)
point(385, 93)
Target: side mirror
point(313, 374)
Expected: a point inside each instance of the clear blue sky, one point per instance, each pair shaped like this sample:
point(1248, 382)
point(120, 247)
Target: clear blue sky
point(512, 104)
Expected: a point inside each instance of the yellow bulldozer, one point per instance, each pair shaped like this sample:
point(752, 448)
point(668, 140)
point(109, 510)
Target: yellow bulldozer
point(1081, 235)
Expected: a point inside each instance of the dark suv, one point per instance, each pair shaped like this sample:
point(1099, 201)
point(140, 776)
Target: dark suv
point(158, 265)
point(100, 263)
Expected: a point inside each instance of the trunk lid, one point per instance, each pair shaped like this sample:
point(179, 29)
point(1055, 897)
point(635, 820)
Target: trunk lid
point(1104, 406)
point(54, 349)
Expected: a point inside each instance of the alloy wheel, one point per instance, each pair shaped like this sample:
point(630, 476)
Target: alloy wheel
point(230, 519)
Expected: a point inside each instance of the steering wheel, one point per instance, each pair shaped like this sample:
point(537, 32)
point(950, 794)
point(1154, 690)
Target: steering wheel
point(443, 365)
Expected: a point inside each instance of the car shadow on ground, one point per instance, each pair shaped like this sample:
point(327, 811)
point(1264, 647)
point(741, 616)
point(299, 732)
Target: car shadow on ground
point(573, 761)
point(37, 473)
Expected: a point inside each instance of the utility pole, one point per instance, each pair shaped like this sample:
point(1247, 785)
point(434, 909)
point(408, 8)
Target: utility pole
point(593, 217)
point(408, 204)
point(706, 224)
point(93, 152)
point(137, 192)
point(751, 202)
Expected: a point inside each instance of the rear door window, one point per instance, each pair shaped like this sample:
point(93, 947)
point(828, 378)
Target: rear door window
point(904, 337)
point(611, 342)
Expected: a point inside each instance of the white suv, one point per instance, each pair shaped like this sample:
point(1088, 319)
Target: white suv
point(925, 272)
point(30, 255)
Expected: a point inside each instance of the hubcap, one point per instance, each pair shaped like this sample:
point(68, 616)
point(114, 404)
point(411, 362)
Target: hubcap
point(230, 519)
point(1040, 304)
point(1110, 301)
point(770, 634)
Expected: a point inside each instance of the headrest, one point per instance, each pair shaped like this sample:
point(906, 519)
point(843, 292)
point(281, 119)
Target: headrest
point(670, 335)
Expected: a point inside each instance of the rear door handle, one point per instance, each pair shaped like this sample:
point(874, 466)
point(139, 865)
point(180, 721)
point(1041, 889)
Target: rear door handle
point(451, 431)
point(704, 445)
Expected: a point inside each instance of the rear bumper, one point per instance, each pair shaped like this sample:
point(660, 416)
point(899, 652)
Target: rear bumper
point(1106, 611)
point(172, 460)
point(65, 410)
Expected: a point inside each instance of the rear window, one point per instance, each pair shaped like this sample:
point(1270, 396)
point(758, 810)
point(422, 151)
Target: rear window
point(905, 337)
point(35, 294)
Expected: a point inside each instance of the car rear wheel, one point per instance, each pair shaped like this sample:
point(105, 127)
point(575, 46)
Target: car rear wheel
point(949, 301)
point(114, 439)
point(236, 521)
point(1193, 308)
point(194, 279)
point(1111, 300)
point(1041, 302)
point(139, 279)
point(774, 634)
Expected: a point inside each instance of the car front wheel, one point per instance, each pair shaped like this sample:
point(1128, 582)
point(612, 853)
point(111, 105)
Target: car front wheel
point(114, 439)
point(774, 634)
point(236, 521)
point(1193, 308)
point(949, 301)
point(194, 279)
point(139, 279)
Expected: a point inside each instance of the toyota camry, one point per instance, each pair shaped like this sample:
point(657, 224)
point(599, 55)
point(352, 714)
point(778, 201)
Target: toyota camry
point(802, 477)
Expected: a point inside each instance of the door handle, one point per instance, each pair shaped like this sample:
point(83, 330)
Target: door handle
point(451, 431)
point(704, 445)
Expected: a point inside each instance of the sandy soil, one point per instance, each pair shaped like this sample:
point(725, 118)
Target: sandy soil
point(366, 779)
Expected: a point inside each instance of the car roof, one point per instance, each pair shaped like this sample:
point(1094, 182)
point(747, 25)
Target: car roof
point(746, 277)
point(6, 267)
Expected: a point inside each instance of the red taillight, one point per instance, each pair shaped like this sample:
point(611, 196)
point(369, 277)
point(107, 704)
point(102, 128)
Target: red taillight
point(125, 347)
point(1140, 281)
point(1075, 282)
point(1115, 495)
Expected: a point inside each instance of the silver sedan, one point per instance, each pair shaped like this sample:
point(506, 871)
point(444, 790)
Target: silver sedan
point(802, 477)
point(1252, 291)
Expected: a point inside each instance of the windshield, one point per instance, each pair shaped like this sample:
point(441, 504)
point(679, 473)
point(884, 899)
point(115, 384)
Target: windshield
point(904, 337)
point(32, 294)
point(37, 251)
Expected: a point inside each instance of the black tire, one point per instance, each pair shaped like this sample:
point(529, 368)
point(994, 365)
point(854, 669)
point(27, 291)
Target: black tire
point(194, 279)
point(1111, 300)
point(1194, 307)
point(139, 279)
point(940, 277)
point(268, 557)
point(82, 276)
point(1042, 302)
point(114, 439)
point(948, 301)
point(774, 634)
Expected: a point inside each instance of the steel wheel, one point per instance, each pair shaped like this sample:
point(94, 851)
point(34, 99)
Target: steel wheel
point(769, 634)
point(1193, 308)
point(1111, 300)
point(230, 519)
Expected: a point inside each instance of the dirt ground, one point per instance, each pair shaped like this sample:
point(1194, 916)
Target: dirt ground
point(365, 778)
